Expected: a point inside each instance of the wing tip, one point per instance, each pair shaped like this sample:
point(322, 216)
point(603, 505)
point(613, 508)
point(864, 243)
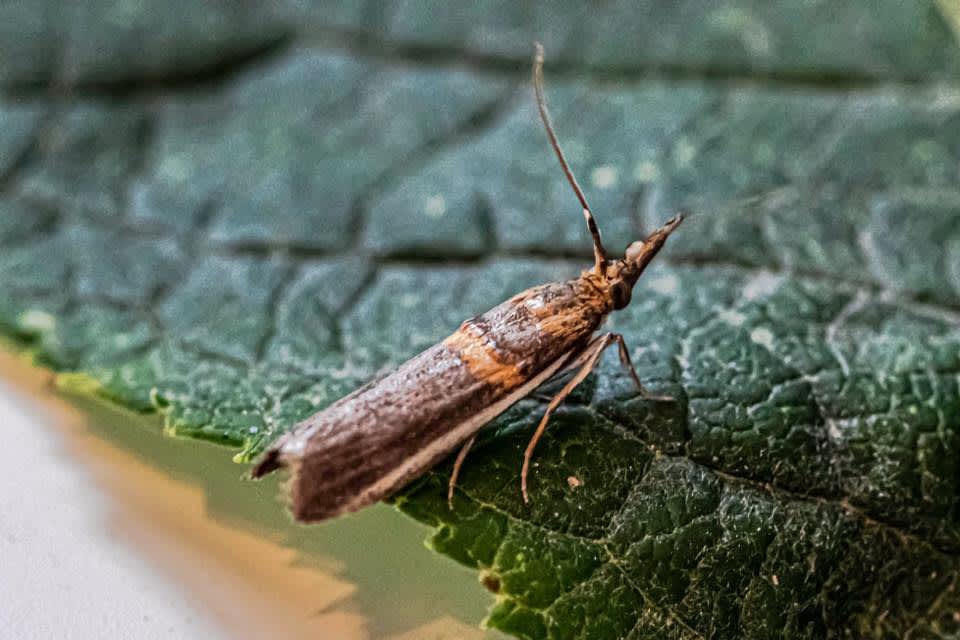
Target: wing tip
point(301, 496)
point(268, 463)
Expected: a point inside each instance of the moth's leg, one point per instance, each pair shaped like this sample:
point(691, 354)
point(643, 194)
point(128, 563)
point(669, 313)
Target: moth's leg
point(589, 357)
point(586, 360)
point(628, 365)
point(456, 469)
point(625, 360)
point(573, 360)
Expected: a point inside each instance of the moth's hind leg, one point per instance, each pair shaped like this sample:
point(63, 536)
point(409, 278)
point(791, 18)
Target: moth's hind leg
point(457, 464)
point(586, 360)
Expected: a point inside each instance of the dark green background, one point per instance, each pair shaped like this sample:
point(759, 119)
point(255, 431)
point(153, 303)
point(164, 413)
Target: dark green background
point(233, 214)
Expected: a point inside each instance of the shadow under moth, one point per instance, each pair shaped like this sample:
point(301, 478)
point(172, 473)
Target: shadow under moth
point(372, 442)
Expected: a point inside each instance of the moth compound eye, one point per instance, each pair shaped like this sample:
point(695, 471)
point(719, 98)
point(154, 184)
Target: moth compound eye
point(621, 294)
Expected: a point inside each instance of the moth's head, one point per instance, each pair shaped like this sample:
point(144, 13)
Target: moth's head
point(623, 274)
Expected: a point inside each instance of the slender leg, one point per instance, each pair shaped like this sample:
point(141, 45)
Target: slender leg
point(589, 356)
point(456, 469)
point(628, 365)
point(586, 360)
point(576, 363)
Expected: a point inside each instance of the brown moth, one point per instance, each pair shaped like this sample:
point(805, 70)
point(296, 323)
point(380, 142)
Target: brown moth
point(369, 444)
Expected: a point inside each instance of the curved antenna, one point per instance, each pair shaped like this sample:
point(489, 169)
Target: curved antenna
point(599, 254)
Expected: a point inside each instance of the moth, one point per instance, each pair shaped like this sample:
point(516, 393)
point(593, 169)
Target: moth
point(372, 442)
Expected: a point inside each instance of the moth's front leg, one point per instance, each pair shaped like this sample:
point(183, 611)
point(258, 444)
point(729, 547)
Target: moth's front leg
point(628, 365)
point(546, 395)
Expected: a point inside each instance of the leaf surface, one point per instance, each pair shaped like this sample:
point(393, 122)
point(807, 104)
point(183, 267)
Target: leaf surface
point(239, 230)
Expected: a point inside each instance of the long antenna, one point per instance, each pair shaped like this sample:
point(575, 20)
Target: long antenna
point(599, 254)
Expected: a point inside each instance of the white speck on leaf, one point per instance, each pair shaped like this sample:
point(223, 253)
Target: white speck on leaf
point(684, 152)
point(175, 167)
point(646, 172)
point(763, 337)
point(37, 321)
point(435, 206)
point(764, 153)
point(761, 285)
point(753, 34)
point(665, 284)
point(731, 317)
point(604, 177)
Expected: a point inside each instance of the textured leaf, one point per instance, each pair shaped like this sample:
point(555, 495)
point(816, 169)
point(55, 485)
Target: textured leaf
point(237, 230)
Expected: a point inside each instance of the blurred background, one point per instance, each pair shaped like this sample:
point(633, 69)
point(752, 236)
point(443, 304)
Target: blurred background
point(196, 191)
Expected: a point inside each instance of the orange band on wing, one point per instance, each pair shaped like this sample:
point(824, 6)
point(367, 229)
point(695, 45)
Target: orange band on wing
point(480, 357)
point(562, 319)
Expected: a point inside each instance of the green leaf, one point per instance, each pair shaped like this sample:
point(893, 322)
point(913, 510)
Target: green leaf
point(238, 230)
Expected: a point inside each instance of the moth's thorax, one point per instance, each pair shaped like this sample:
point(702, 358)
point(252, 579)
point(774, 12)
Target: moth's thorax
point(521, 336)
point(583, 296)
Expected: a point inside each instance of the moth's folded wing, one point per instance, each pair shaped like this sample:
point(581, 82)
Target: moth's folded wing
point(360, 451)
